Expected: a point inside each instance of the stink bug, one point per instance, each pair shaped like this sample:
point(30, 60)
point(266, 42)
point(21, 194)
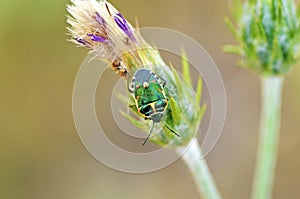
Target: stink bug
point(150, 98)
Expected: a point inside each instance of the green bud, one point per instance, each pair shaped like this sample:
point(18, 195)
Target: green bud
point(268, 35)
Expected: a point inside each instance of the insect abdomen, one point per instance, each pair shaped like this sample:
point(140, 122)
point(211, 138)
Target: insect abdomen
point(161, 105)
point(147, 110)
point(158, 106)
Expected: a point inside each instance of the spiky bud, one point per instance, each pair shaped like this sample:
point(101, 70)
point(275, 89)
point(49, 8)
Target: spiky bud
point(268, 35)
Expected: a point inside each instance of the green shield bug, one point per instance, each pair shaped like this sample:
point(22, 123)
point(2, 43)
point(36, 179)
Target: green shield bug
point(150, 98)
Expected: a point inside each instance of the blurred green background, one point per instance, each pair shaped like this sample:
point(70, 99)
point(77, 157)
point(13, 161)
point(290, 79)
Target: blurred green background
point(41, 155)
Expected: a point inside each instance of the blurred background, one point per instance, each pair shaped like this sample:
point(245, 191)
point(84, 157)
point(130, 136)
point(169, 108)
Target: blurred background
point(41, 154)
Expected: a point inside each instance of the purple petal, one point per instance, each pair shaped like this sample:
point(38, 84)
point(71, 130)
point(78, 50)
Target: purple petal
point(122, 23)
point(100, 19)
point(96, 38)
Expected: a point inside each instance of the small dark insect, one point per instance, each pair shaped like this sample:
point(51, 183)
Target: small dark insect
point(119, 67)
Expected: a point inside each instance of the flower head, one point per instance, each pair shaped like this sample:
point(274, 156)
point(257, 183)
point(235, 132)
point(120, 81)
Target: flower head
point(268, 33)
point(98, 26)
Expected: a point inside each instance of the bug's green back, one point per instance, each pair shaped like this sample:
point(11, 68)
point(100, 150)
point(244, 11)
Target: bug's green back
point(148, 95)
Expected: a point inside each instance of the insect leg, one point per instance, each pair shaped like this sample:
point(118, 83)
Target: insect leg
point(133, 108)
point(170, 129)
point(164, 82)
point(149, 134)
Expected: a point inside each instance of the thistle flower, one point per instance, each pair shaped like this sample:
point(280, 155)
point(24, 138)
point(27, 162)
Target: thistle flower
point(98, 26)
point(268, 33)
point(101, 28)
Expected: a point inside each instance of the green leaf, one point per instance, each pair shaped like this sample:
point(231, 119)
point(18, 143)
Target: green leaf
point(232, 29)
point(186, 68)
point(199, 90)
point(237, 9)
point(177, 81)
point(122, 98)
point(232, 49)
point(202, 112)
point(176, 112)
point(135, 122)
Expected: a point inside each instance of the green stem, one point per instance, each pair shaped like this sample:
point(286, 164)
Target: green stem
point(268, 137)
point(200, 171)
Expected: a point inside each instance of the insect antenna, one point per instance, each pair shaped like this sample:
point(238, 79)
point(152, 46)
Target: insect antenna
point(170, 129)
point(149, 134)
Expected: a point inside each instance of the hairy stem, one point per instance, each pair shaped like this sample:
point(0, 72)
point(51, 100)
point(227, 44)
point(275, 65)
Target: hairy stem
point(268, 137)
point(200, 171)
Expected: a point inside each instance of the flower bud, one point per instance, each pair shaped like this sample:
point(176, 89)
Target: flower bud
point(268, 35)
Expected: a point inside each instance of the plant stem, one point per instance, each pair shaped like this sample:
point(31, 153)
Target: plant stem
point(268, 137)
point(200, 171)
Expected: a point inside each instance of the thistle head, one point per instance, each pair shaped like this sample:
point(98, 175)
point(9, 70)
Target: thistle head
point(100, 27)
point(268, 35)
